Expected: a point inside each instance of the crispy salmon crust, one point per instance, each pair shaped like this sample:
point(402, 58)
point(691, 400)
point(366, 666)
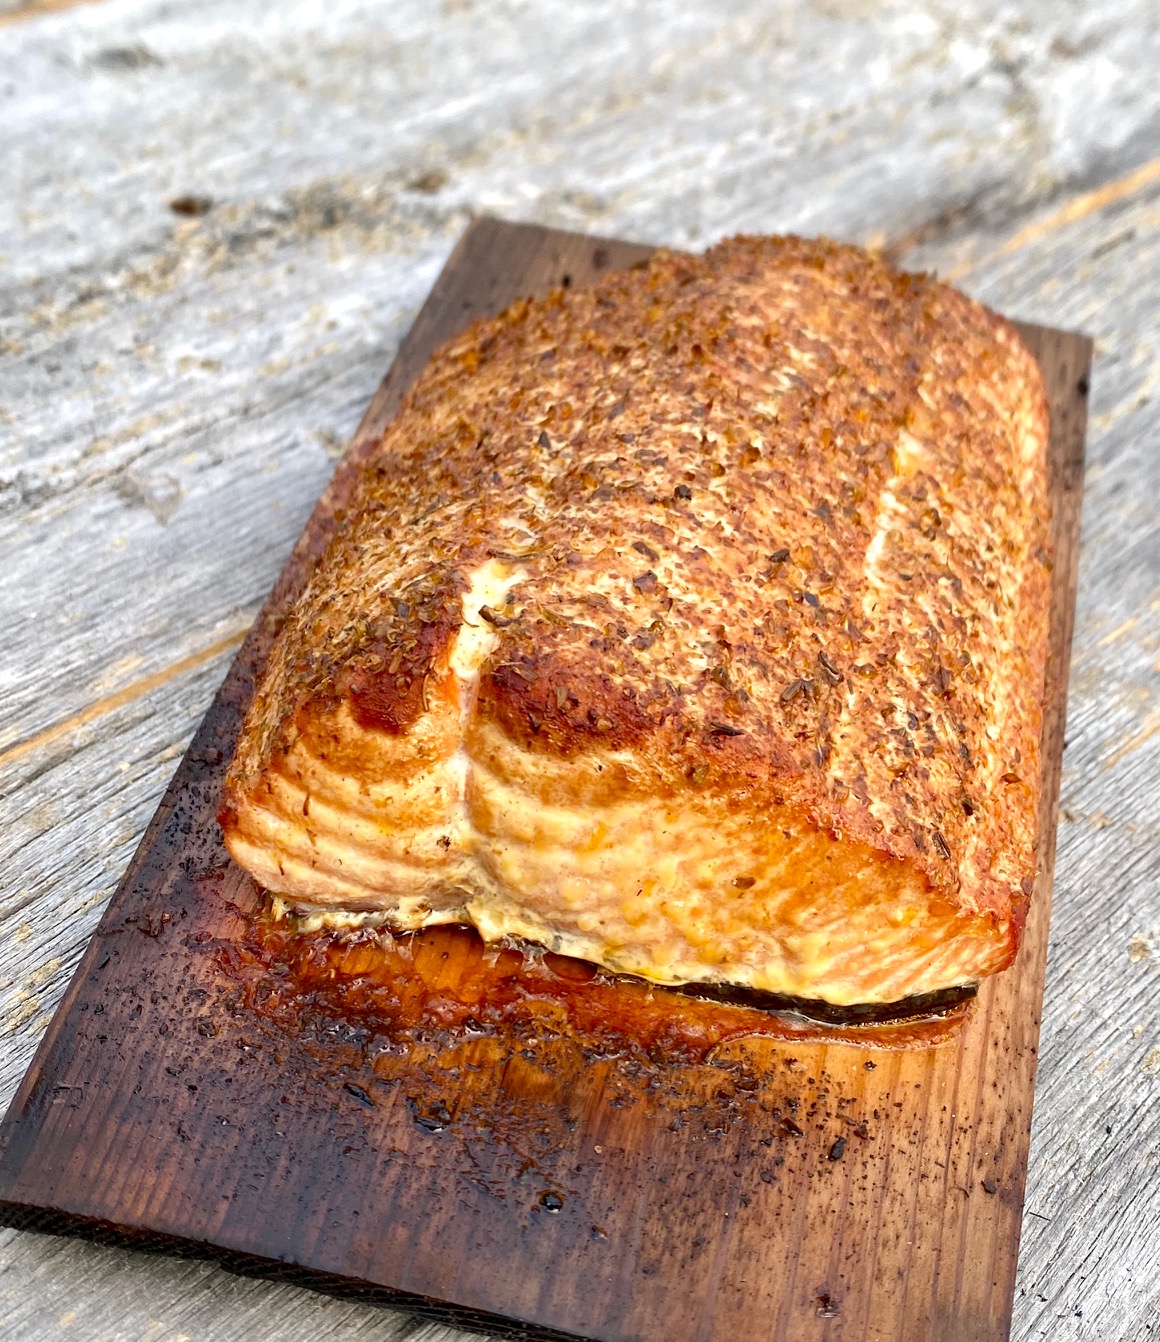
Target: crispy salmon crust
point(694, 624)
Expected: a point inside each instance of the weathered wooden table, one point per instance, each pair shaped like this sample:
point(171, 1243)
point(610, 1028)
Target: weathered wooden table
point(217, 219)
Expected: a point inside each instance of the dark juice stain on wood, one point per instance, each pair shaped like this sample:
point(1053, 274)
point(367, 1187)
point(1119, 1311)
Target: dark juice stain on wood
point(446, 980)
point(529, 1148)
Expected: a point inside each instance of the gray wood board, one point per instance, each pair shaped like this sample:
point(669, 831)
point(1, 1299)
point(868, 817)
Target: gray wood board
point(173, 391)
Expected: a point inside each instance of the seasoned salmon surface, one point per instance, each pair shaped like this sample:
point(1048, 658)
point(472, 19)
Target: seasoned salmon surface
point(693, 624)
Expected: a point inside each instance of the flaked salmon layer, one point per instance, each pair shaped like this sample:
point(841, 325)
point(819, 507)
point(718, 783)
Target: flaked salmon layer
point(687, 888)
point(693, 625)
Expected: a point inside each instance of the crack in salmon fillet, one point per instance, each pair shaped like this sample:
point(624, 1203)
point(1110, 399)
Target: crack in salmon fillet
point(693, 624)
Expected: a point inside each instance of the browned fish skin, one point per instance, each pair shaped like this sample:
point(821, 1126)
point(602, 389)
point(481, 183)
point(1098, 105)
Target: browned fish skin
point(774, 526)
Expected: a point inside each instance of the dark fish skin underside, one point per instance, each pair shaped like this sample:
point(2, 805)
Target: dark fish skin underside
point(919, 1007)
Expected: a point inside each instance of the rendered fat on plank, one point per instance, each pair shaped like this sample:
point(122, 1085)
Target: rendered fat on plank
point(693, 624)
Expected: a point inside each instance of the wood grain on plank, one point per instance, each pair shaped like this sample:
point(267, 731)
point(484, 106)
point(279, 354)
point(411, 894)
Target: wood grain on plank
point(840, 1221)
point(74, 812)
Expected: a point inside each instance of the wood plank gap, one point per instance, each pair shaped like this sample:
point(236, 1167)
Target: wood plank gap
point(1070, 212)
point(37, 9)
point(135, 690)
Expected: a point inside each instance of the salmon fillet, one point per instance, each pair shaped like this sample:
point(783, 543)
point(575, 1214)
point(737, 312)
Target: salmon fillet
point(693, 624)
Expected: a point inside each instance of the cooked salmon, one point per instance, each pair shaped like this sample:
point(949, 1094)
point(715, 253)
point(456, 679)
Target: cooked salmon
point(693, 624)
